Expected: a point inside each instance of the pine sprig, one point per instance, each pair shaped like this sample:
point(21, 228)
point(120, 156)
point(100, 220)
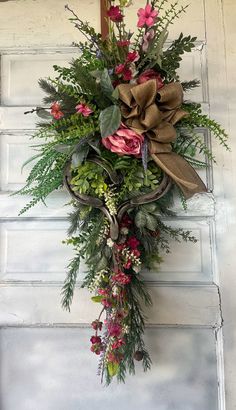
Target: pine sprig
point(70, 282)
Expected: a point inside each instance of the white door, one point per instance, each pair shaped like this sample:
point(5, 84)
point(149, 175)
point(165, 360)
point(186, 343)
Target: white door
point(44, 352)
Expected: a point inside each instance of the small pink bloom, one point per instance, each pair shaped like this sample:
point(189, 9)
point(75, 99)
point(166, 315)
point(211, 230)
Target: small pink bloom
point(114, 329)
point(56, 111)
point(151, 74)
point(96, 348)
point(132, 57)
point(147, 16)
point(95, 339)
point(121, 278)
point(136, 253)
point(147, 38)
point(115, 14)
point(83, 109)
point(106, 303)
point(128, 264)
point(123, 43)
point(103, 292)
point(124, 142)
point(127, 74)
point(119, 69)
point(118, 343)
point(133, 242)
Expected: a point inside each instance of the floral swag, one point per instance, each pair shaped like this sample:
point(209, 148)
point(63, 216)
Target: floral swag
point(119, 134)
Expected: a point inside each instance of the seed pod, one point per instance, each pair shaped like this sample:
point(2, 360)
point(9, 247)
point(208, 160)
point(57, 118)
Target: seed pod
point(138, 355)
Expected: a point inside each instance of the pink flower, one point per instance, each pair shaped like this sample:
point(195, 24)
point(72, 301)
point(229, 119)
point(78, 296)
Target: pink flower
point(103, 292)
point(83, 109)
point(106, 303)
point(127, 74)
point(147, 38)
point(123, 43)
point(124, 142)
point(121, 278)
point(151, 74)
point(147, 16)
point(95, 339)
point(97, 348)
point(136, 253)
point(119, 69)
point(132, 57)
point(114, 13)
point(133, 242)
point(56, 111)
point(118, 343)
point(128, 264)
point(114, 329)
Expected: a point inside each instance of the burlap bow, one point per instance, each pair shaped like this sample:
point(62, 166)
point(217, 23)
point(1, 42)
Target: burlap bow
point(154, 113)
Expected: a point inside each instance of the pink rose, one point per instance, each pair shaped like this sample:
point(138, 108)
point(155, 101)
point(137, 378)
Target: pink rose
point(124, 142)
point(147, 16)
point(151, 74)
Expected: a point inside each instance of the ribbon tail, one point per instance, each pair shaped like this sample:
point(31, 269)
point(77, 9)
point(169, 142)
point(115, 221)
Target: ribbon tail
point(182, 173)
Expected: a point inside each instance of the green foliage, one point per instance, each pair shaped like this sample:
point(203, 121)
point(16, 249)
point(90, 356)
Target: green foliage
point(172, 57)
point(197, 119)
point(45, 177)
point(109, 120)
point(89, 179)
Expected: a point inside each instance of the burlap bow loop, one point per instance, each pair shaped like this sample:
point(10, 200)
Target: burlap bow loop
point(154, 112)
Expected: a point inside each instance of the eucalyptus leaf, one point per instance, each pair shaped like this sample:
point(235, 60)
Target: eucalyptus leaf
point(110, 120)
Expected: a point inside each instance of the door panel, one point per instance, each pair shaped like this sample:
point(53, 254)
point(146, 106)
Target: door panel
point(183, 376)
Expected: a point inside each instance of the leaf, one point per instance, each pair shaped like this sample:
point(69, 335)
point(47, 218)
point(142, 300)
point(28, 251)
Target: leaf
point(79, 156)
point(63, 148)
point(112, 369)
point(116, 94)
point(96, 299)
point(105, 81)
point(151, 222)
point(43, 113)
point(102, 264)
point(140, 219)
point(109, 119)
point(95, 145)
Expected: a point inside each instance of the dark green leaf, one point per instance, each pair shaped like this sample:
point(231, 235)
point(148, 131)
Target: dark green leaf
point(110, 119)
